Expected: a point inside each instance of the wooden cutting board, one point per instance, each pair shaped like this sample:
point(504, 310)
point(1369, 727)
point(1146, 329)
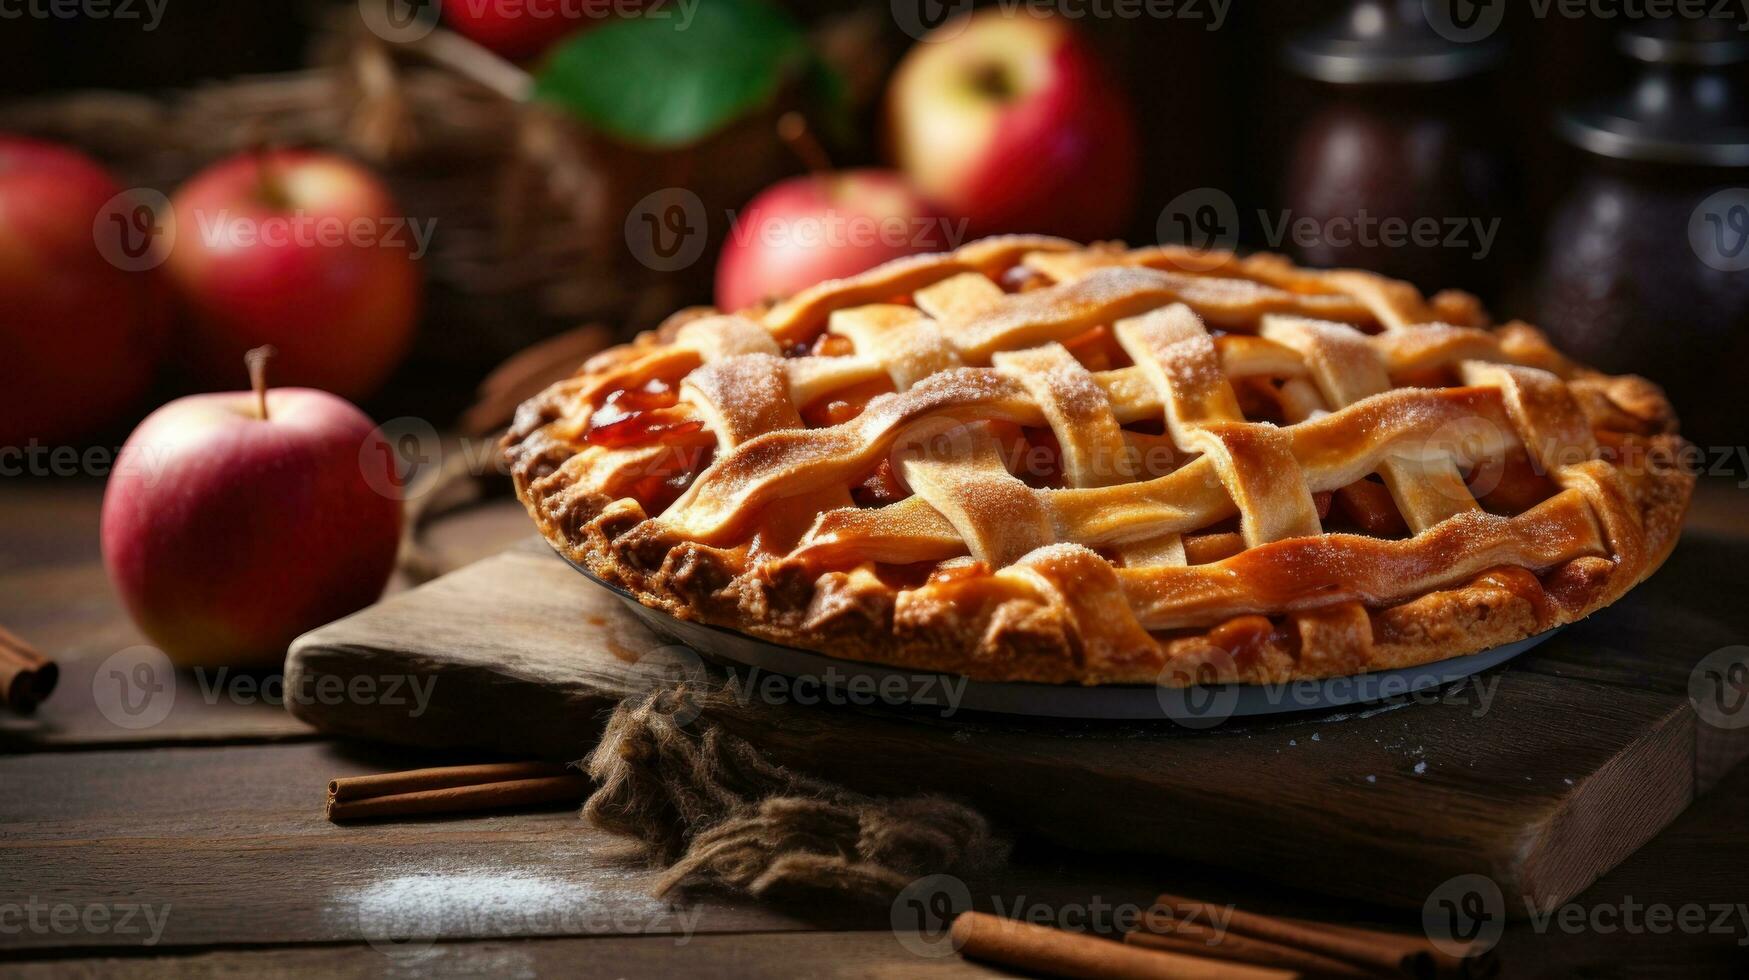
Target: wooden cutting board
point(1542, 775)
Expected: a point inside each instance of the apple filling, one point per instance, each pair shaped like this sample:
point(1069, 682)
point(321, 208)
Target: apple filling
point(639, 416)
point(1098, 350)
point(651, 415)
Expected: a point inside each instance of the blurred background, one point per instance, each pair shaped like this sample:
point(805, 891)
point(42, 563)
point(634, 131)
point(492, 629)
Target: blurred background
point(558, 174)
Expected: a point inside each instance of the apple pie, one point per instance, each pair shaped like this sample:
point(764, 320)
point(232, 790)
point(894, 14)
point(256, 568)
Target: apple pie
point(1033, 460)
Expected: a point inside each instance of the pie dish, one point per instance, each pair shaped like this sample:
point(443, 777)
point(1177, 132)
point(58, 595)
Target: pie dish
point(1033, 460)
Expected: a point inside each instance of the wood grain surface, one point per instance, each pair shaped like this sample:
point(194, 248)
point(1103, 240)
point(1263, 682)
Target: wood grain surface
point(216, 814)
point(1541, 776)
point(824, 955)
point(55, 593)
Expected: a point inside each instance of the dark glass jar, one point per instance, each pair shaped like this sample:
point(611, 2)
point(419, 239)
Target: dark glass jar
point(1392, 169)
point(1399, 183)
point(1646, 261)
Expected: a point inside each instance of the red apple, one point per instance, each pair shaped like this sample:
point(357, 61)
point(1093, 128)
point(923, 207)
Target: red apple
point(79, 335)
point(227, 533)
point(805, 230)
point(519, 29)
point(302, 250)
point(1009, 120)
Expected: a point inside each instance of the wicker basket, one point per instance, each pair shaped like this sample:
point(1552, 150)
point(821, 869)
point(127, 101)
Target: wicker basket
point(529, 208)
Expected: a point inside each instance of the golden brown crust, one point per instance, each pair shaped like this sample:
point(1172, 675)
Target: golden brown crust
point(1293, 603)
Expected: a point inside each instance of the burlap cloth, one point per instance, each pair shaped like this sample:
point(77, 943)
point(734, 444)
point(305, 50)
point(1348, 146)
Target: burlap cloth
point(715, 812)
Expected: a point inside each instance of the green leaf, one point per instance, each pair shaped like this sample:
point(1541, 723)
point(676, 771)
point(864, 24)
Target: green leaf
point(662, 81)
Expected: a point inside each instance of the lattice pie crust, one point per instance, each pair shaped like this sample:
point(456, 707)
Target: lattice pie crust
point(1032, 460)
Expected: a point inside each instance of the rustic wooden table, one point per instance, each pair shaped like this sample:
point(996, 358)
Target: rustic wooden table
point(186, 837)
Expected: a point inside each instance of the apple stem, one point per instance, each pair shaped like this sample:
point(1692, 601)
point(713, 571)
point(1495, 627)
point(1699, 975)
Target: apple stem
point(270, 182)
point(792, 128)
point(257, 359)
point(994, 80)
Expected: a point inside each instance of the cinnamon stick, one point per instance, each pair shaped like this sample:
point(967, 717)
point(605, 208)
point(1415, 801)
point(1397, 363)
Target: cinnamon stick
point(26, 676)
point(1420, 953)
point(1040, 949)
point(1198, 940)
point(452, 789)
point(1390, 953)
